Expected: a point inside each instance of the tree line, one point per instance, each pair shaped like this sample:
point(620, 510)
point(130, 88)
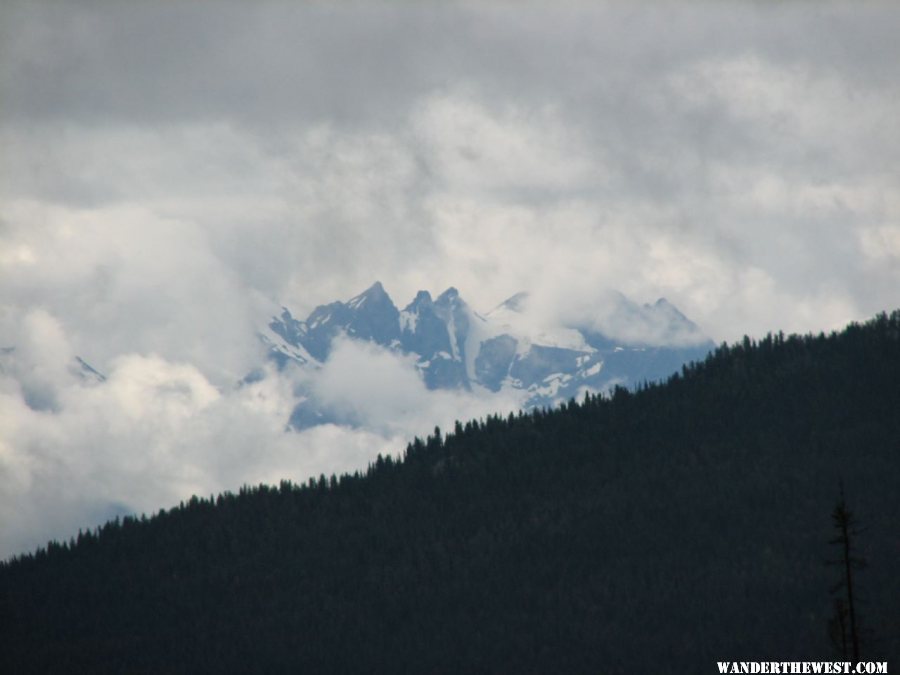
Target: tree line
point(657, 528)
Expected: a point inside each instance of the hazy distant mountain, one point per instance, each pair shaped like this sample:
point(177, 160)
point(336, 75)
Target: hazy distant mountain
point(454, 347)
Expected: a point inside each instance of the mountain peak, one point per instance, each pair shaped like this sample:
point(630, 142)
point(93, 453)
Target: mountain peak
point(662, 302)
point(516, 302)
point(447, 296)
point(422, 299)
point(670, 310)
point(374, 292)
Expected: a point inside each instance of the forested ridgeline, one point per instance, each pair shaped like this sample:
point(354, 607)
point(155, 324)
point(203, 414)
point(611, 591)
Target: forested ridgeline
point(649, 531)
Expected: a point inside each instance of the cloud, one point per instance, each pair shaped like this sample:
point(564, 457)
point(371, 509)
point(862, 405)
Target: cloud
point(41, 357)
point(353, 385)
point(601, 167)
point(171, 175)
point(75, 451)
point(126, 279)
point(476, 151)
point(153, 433)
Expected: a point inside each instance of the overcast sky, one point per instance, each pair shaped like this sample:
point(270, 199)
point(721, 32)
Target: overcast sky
point(171, 173)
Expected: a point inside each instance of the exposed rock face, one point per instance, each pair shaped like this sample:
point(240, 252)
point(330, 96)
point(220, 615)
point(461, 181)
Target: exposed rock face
point(453, 347)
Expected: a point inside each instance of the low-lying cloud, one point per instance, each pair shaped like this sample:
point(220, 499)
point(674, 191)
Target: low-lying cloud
point(76, 449)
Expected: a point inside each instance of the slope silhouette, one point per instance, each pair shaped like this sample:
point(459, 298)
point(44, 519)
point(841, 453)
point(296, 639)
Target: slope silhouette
point(656, 530)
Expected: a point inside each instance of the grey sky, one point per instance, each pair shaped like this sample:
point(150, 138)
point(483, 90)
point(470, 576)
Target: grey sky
point(170, 173)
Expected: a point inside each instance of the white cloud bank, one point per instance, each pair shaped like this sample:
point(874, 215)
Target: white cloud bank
point(160, 202)
point(75, 450)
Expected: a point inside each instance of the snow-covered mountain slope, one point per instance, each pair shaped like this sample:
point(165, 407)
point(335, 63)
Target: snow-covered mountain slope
point(509, 348)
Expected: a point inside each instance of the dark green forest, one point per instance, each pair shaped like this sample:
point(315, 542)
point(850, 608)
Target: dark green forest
point(646, 531)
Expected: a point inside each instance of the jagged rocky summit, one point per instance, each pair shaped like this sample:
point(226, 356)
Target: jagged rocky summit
point(454, 347)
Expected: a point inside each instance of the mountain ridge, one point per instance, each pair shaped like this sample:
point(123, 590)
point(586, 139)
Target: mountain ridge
point(455, 347)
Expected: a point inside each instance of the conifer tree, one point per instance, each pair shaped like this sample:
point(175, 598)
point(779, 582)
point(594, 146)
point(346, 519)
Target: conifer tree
point(844, 625)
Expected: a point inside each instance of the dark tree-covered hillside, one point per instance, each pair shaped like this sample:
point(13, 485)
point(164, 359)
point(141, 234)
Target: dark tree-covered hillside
point(657, 530)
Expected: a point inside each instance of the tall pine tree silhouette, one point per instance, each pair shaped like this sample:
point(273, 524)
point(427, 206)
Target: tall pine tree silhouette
point(844, 625)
